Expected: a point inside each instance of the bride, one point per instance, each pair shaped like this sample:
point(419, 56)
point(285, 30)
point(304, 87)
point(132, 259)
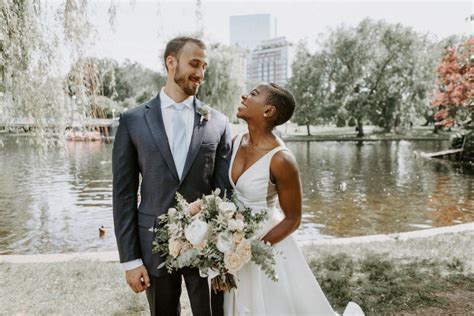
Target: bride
point(264, 174)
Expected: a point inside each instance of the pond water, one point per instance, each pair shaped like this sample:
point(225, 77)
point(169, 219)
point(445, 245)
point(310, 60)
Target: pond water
point(55, 203)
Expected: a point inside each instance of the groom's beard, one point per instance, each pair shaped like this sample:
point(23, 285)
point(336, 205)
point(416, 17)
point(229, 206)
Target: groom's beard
point(184, 83)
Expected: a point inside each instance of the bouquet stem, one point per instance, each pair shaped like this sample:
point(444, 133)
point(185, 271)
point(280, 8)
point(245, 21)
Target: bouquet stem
point(223, 283)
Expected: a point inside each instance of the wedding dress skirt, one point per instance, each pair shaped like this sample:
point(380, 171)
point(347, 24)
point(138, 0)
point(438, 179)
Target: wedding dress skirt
point(296, 292)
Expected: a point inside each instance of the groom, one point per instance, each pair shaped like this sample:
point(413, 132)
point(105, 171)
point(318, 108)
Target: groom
point(172, 143)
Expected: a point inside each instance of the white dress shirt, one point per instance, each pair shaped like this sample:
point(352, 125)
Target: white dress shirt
point(168, 112)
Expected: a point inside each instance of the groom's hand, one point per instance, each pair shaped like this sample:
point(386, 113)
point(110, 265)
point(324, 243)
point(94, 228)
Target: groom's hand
point(138, 279)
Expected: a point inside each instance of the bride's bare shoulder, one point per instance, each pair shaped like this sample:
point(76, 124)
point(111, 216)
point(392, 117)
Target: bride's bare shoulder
point(283, 161)
point(284, 156)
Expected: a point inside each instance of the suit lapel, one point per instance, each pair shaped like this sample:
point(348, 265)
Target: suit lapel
point(154, 119)
point(196, 140)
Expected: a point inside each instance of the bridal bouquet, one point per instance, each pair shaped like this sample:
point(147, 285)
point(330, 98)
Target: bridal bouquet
point(214, 235)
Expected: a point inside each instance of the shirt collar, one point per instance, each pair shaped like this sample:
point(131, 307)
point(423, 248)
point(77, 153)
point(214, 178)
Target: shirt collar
point(167, 101)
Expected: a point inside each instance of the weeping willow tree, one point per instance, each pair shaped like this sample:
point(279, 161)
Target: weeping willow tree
point(29, 83)
point(33, 88)
point(224, 80)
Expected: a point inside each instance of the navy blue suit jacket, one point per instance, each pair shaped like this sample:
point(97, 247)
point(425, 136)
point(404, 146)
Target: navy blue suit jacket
point(141, 150)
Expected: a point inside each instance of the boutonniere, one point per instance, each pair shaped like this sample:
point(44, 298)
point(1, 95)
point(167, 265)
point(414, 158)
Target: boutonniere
point(205, 112)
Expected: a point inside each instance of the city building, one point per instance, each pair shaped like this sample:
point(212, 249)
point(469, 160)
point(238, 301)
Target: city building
point(248, 31)
point(269, 62)
point(264, 57)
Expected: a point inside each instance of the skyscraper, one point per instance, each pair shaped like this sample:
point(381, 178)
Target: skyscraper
point(247, 31)
point(264, 56)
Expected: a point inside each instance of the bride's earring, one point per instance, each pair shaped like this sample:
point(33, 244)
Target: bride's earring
point(264, 115)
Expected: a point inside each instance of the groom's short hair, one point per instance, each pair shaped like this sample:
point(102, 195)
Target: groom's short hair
point(175, 45)
point(283, 100)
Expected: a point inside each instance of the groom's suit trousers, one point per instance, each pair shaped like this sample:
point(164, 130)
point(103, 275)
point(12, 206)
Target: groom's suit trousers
point(165, 291)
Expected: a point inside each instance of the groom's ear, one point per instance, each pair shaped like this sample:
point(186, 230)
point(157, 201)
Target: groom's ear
point(171, 62)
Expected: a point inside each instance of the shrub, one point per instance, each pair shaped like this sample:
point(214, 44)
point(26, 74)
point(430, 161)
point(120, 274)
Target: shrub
point(352, 122)
point(340, 120)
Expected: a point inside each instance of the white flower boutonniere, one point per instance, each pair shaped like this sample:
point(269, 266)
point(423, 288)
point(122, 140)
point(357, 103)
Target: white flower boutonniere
point(205, 112)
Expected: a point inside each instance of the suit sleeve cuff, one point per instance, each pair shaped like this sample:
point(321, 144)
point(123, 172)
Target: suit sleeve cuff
point(129, 265)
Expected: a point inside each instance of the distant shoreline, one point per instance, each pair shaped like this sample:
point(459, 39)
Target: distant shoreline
point(328, 138)
point(112, 256)
point(328, 133)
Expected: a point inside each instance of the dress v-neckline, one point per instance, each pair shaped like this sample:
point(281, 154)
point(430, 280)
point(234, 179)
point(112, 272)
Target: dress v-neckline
point(250, 167)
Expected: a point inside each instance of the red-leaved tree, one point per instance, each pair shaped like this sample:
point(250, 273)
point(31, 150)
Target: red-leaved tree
point(455, 83)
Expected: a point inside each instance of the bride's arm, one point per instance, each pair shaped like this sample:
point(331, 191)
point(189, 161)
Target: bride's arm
point(284, 173)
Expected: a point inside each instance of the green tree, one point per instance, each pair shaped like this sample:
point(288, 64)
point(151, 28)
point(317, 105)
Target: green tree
point(379, 72)
point(97, 76)
point(348, 57)
point(92, 78)
point(34, 86)
point(224, 80)
point(133, 80)
point(86, 83)
point(310, 85)
point(32, 89)
point(400, 76)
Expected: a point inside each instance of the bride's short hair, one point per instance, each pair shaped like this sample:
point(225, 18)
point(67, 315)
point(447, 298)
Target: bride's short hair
point(283, 100)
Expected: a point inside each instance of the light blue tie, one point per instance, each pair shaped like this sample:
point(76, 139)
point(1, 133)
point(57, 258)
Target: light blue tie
point(180, 145)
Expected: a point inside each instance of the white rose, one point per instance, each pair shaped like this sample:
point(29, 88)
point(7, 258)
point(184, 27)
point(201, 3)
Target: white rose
point(238, 236)
point(236, 224)
point(172, 212)
point(196, 231)
point(233, 262)
point(228, 208)
point(244, 250)
point(224, 242)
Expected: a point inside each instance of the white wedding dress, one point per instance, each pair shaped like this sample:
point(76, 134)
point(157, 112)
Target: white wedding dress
point(297, 292)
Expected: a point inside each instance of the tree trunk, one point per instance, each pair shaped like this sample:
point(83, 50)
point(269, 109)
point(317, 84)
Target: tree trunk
point(468, 153)
point(360, 128)
point(395, 124)
point(307, 129)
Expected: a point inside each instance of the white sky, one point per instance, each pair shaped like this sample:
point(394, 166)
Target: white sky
point(143, 27)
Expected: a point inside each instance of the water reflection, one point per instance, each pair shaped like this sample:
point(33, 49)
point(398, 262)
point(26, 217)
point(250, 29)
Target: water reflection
point(57, 202)
point(386, 187)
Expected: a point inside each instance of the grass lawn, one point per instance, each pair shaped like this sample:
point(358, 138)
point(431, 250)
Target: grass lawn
point(425, 276)
point(384, 286)
point(69, 288)
point(419, 276)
